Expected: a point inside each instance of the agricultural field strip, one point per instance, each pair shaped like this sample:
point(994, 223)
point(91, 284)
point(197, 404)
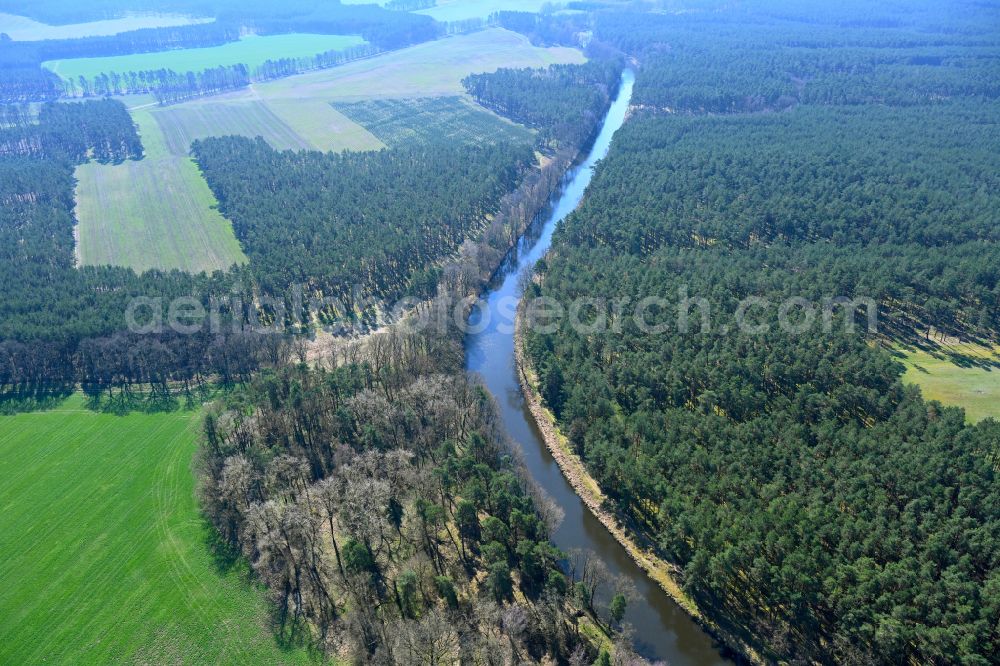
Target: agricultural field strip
point(251, 51)
point(157, 212)
point(182, 124)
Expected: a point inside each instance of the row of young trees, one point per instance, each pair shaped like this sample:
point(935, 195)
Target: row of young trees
point(166, 84)
point(273, 69)
point(815, 505)
point(170, 86)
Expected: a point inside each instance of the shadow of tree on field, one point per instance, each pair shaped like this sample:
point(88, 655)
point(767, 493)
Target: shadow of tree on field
point(34, 399)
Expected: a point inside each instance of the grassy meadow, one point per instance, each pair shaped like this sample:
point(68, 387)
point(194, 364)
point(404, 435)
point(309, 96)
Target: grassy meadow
point(157, 212)
point(105, 555)
point(961, 374)
point(397, 121)
point(22, 28)
point(251, 51)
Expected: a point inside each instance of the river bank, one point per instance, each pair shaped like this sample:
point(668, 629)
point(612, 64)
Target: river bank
point(587, 489)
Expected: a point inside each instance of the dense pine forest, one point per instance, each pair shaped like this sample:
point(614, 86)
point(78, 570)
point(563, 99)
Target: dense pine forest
point(355, 221)
point(564, 102)
point(820, 509)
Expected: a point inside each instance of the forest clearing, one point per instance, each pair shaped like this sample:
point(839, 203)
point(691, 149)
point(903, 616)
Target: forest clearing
point(965, 375)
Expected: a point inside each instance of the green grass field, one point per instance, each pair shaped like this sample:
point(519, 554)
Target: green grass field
point(458, 10)
point(965, 375)
point(22, 28)
point(251, 51)
point(397, 121)
point(105, 556)
point(157, 212)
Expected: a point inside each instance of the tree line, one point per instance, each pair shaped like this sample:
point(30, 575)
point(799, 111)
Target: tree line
point(169, 86)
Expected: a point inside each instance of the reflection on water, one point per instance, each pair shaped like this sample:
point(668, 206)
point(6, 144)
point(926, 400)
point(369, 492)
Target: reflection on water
point(662, 629)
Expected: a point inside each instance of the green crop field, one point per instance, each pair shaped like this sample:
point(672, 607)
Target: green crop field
point(105, 556)
point(182, 124)
point(964, 374)
point(457, 10)
point(22, 28)
point(396, 121)
point(251, 51)
point(157, 212)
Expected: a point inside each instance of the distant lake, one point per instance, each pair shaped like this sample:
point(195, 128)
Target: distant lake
point(22, 28)
point(251, 51)
point(459, 10)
